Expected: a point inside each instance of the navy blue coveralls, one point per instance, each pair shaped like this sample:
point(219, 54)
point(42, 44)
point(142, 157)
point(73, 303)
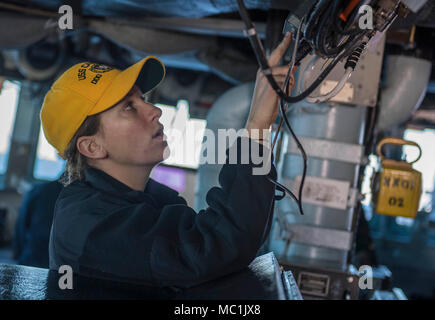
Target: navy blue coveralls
point(102, 228)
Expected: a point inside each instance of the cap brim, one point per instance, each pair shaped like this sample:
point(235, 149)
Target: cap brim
point(147, 74)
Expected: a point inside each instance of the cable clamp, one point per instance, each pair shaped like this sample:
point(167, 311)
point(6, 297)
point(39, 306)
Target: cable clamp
point(249, 32)
point(281, 196)
point(267, 71)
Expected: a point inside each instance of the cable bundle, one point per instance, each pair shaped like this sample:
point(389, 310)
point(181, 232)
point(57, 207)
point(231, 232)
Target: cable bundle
point(318, 19)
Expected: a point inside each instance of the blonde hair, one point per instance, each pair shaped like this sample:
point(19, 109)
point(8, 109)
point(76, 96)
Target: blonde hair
point(76, 163)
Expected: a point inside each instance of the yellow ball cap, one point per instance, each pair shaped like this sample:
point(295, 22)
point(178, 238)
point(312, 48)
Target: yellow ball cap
point(89, 88)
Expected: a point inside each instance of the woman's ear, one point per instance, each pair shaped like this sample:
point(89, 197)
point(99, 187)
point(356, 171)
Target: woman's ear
point(90, 148)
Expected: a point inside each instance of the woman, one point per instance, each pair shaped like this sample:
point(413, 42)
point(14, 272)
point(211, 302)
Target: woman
point(113, 221)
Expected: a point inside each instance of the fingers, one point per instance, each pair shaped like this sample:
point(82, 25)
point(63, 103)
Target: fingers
point(279, 73)
point(280, 81)
point(280, 70)
point(277, 54)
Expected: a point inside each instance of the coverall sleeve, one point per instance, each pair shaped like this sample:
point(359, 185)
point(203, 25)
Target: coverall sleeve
point(191, 248)
point(181, 247)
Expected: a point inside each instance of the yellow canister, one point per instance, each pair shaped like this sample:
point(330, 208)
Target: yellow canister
point(399, 184)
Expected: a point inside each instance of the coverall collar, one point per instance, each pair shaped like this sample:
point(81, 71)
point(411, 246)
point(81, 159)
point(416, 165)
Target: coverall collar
point(153, 189)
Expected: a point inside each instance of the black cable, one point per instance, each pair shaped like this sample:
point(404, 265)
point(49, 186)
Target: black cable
point(261, 58)
point(304, 50)
point(330, 18)
point(284, 96)
point(346, 30)
point(320, 39)
point(325, 34)
point(284, 118)
point(312, 18)
point(283, 112)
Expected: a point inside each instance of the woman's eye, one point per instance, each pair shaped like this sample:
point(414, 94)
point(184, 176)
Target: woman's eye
point(128, 107)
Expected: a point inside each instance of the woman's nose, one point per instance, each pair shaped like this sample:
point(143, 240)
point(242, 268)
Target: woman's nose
point(157, 111)
point(152, 113)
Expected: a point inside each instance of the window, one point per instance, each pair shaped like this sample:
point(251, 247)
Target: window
point(174, 178)
point(426, 140)
point(369, 172)
point(9, 94)
point(48, 165)
point(185, 152)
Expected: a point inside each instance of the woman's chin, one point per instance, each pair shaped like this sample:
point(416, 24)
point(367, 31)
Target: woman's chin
point(166, 152)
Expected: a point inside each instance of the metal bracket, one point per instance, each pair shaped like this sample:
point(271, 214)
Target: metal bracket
point(321, 237)
point(328, 192)
point(330, 150)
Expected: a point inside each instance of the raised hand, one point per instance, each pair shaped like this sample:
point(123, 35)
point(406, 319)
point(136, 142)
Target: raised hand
point(264, 105)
